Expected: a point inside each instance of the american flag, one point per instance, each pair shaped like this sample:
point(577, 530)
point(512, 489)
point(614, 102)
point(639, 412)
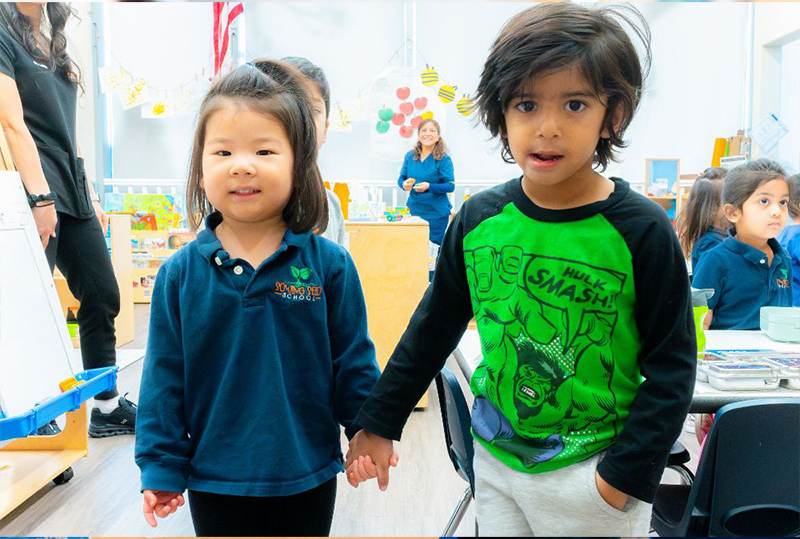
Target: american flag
point(224, 14)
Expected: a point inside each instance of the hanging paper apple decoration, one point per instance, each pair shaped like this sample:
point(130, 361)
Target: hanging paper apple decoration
point(406, 108)
point(415, 121)
point(403, 93)
point(420, 103)
point(427, 115)
point(386, 114)
point(406, 131)
point(399, 119)
point(382, 127)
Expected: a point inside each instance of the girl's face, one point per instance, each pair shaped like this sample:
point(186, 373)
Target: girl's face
point(428, 135)
point(247, 165)
point(764, 213)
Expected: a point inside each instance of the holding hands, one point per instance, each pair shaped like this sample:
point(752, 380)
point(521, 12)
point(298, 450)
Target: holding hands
point(160, 503)
point(370, 456)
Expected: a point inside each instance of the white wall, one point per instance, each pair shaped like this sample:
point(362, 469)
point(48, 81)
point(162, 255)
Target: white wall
point(79, 30)
point(776, 70)
point(694, 94)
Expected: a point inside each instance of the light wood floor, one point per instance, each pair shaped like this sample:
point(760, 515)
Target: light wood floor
point(103, 498)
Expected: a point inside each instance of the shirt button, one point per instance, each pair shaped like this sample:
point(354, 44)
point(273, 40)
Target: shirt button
point(218, 260)
point(238, 270)
point(763, 261)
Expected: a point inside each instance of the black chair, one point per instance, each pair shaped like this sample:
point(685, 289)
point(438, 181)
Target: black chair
point(458, 438)
point(748, 480)
point(678, 458)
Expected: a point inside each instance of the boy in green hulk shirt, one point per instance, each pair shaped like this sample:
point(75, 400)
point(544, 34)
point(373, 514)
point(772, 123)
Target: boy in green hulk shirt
point(579, 290)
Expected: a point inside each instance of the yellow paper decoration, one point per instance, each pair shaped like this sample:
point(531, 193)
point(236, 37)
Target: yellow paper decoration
point(447, 93)
point(430, 77)
point(465, 106)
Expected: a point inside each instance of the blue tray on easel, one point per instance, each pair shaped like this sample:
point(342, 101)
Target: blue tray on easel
point(95, 381)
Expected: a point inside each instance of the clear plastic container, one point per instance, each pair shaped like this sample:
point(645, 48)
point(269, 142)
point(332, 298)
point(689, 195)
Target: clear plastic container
point(727, 376)
point(708, 358)
point(788, 369)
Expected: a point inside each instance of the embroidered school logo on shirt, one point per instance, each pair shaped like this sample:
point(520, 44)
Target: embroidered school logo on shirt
point(783, 283)
point(299, 289)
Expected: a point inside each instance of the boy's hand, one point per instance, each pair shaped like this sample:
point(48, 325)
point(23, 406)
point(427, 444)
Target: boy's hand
point(408, 184)
point(160, 503)
point(613, 497)
point(370, 456)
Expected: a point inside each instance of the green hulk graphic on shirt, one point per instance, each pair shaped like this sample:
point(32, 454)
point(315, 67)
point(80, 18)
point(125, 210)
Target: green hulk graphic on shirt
point(550, 320)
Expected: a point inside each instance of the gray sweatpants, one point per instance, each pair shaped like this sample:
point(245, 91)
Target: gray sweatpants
point(563, 502)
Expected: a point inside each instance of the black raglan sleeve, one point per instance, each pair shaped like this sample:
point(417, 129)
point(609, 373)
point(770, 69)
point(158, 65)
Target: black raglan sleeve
point(668, 355)
point(433, 332)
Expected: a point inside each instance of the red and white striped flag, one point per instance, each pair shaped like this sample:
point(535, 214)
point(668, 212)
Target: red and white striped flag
point(224, 14)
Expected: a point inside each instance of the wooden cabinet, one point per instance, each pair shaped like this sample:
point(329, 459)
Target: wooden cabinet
point(392, 263)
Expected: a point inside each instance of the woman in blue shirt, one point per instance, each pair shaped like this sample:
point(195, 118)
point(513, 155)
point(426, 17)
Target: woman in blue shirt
point(427, 174)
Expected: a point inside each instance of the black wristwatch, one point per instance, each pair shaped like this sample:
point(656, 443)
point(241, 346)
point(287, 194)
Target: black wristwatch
point(35, 199)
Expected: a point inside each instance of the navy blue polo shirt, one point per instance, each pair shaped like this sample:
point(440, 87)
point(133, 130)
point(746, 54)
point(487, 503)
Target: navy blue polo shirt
point(743, 282)
point(710, 239)
point(249, 373)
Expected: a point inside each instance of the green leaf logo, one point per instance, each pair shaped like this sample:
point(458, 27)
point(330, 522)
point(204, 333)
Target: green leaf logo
point(295, 272)
point(306, 273)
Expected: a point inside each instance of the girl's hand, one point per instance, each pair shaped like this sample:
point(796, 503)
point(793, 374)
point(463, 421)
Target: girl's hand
point(160, 503)
point(46, 220)
point(101, 215)
point(408, 184)
point(421, 187)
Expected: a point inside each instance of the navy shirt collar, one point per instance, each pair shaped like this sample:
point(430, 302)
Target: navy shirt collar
point(209, 245)
point(752, 254)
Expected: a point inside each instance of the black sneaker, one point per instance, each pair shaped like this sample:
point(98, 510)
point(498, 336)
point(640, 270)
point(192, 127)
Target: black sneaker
point(121, 421)
point(50, 429)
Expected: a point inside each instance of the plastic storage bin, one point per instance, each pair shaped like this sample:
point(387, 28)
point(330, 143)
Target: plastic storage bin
point(742, 376)
point(788, 369)
point(95, 381)
point(781, 323)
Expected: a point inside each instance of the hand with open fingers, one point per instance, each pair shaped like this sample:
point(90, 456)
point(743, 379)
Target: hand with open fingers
point(161, 504)
point(370, 456)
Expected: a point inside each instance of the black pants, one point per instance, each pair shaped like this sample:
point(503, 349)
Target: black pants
point(308, 514)
point(79, 250)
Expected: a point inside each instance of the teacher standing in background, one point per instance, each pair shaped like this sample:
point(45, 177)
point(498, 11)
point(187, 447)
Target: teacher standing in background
point(38, 109)
point(428, 176)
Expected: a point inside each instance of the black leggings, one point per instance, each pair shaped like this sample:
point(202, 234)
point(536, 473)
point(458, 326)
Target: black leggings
point(308, 514)
point(79, 250)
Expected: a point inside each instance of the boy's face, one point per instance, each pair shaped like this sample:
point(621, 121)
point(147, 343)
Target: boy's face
point(320, 113)
point(553, 124)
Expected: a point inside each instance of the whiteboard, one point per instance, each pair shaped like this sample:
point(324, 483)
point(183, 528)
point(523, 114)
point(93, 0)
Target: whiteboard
point(35, 347)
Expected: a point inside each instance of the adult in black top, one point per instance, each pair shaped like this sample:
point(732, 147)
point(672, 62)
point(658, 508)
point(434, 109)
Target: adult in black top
point(38, 94)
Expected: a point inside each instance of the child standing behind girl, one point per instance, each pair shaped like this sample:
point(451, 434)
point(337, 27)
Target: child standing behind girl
point(750, 269)
point(702, 225)
point(258, 346)
point(790, 237)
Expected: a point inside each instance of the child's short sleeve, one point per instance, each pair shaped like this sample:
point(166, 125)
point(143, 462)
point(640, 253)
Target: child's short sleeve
point(710, 273)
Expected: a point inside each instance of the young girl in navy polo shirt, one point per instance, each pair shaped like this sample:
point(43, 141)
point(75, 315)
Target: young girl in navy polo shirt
point(702, 225)
point(749, 269)
point(258, 348)
point(790, 237)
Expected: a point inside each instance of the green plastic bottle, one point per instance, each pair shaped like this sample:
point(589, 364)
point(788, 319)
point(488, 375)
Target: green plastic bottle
point(700, 307)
